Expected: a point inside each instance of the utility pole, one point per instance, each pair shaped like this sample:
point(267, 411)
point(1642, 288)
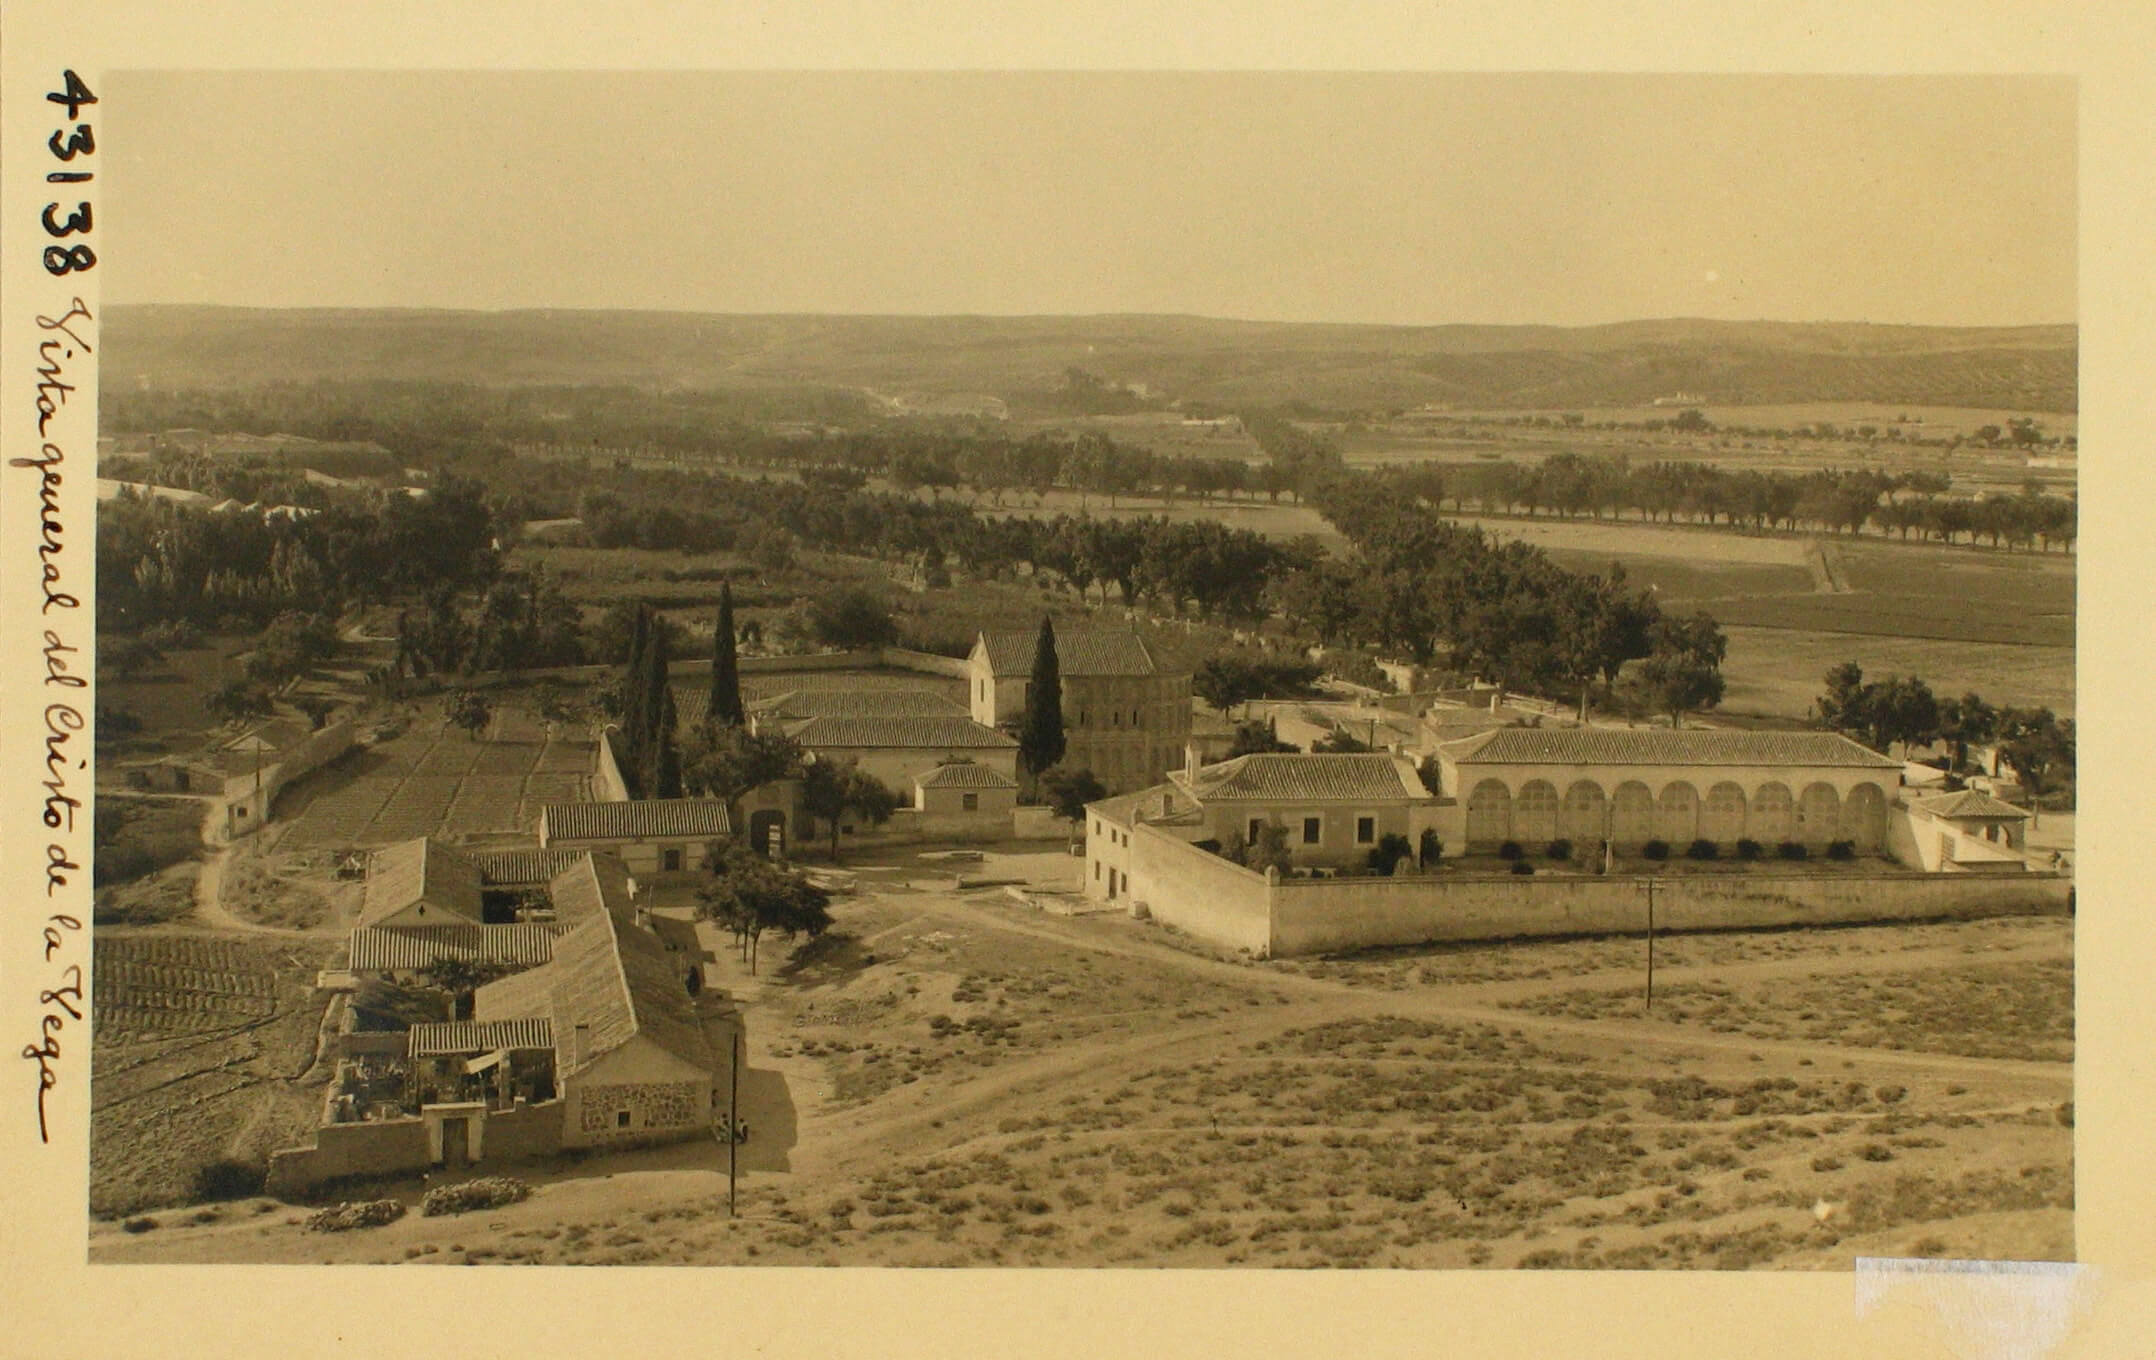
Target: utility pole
point(733, 1118)
point(1650, 944)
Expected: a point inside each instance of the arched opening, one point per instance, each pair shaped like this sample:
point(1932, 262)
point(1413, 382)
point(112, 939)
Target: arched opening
point(1534, 812)
point(1489, 814)
point(1774, 814)
point(1676, 814)
point(1582, 819)
point(1819, 815)
point(1864, 816)
point(1721, 817)
point(1631, 814)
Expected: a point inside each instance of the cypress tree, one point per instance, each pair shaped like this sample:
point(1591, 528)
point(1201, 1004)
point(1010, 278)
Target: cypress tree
point(725, 667)
point(635, 696)
point(668, 777)
point(1040, 736)
point(658, 733)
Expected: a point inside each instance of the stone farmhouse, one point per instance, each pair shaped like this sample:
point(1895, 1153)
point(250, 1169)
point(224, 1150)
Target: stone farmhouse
point(1124, 717)
point(593, 1040)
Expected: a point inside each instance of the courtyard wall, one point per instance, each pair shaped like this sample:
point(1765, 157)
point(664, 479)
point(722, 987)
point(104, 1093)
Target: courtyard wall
point(1198, 892)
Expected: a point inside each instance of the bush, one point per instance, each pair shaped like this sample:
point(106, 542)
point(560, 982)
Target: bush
point(1748, 849)
point(1521, 866)
point(1509, 850)
point(488, 1192)
point(227, 1179)
point(371, 1213)
point(1655, 850)
point(1890, 1095)
point(1791, 850)
point(1823, 1164)
point(1559, 849)
point(1430, 849)
point(1703, 849)
point(139, 1225)
point(1842, 850)
point(1876, 1152)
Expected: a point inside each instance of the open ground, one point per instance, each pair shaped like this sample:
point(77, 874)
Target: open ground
point(952, 1078)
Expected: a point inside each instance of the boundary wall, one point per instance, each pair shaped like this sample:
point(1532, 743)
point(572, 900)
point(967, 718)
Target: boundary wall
point(1204, 895)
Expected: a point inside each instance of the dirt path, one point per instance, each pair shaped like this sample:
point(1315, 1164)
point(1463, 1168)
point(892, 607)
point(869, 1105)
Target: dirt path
point(831, 1141)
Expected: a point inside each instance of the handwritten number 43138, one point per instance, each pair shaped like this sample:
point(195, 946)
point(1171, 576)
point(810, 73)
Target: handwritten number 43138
point(66, 146)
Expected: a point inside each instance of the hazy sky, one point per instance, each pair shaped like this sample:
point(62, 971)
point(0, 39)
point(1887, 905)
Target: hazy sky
point(1402, 198)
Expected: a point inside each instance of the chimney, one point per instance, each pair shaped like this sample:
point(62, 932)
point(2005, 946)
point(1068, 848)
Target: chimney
point(583, 1042)
point(1167, 802)
point(1496, 696)
point(1190, 760)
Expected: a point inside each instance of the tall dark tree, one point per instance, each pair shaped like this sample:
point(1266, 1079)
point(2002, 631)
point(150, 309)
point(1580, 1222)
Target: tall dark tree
point(636, 715)
point(657, 753)
point(1040, 738)
point(726, 704)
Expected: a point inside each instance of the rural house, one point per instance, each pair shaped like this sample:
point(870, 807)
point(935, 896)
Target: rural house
point(1969, 831)
point(651, 835)
point(1124, 718)
point(896, 748)
point(1334, 810)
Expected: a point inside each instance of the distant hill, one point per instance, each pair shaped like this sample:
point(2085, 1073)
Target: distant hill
point(1192, 359)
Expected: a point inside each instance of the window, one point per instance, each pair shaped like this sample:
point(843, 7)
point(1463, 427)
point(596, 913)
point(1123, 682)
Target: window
point(983, 692)
point(621, 1119)
point(670, 861)
point(1256, 827)
point(1096, 870)
point(971, 802)
point(1313, 828)
point(1366, 830)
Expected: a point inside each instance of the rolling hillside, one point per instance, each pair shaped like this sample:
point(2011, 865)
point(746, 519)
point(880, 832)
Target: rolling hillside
point(1196, 359)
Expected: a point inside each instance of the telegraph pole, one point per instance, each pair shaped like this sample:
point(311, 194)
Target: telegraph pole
point(1650, 944)
point(733, 1118)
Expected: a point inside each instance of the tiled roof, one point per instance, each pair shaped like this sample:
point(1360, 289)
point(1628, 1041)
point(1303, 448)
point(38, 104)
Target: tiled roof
point(419, 871)
point(526, 868)
point(1662, 746)
point(1313, 778)
point(518, 996)
point(1119, 808)
point(1080, 651)
point(480, 1036)
point(921, 731)
point(592, 886)
point(620, 982)
point(1969, 803)
point(644, 818)
point(860, 703)
point(967, 776)
point(409, 948)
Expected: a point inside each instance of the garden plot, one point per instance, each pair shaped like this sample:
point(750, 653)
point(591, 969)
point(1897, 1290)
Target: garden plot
point(427, 783)
point(199, 1043)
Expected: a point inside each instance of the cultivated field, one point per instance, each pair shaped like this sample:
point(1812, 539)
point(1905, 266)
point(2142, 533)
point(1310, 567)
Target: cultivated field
point(429, 781)
point(950, 1079)
point(200, 1042)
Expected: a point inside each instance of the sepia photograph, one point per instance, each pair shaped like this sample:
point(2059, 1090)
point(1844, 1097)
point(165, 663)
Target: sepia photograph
point(1403, 670)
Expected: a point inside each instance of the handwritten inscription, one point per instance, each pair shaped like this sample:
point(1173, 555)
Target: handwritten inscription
point(64, 342)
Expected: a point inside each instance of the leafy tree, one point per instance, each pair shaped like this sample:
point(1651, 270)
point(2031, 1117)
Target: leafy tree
point(1257, 737)
point(1225, 681)
point(1270, 850)
point(851, 618)
point(2040, 747)
point(726, 762)
point(468, 709)
point(132, 657)
point(1388, 852)
point(461, 977)
point(1683, 673)
point(1040, 733)
point(237, 701)
point(1966, 722)
point(748, 895)
point(1844, 705)
point(1068, 791)
point(1429, 850)
point(1339, 742)
point(829, 791)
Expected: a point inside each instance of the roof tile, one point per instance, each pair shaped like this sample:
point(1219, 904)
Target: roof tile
point(1662, 746)
point(639, 819)
point(1080, 651)
point(1276, 776)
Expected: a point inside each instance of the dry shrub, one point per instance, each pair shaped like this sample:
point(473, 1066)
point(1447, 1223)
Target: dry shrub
point(488, 1192)
point(372, 1213)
